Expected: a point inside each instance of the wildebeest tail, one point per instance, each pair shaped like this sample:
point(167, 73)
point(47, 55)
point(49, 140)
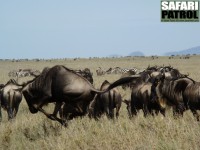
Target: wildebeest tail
point(11, 96)
point(111, 103)
point(118, 83)
point(122, 81)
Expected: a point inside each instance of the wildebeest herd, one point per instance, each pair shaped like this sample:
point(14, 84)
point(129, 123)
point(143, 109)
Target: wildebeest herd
point(74, 95)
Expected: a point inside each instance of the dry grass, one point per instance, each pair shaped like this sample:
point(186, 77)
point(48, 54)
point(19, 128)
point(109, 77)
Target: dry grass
point(30, 131)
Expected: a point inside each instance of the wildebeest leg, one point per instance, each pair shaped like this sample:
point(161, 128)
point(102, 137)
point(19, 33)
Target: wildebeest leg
point(106, 110)
point(156, 112)
point(175, 113)
point(96, 113)
point(0, 112)
point(195, 113)
point(111, 109)
point(150, 110)
point(15, 110)
point(57, 108)
point(111, 113)
point(117, 111)
point(162, 111)
point(10, 104)
point(10, 113)
point(178, 111)
point(133, 111)
point(50, 116)
point(0, 106)
point(145, 110)
point(68, 112)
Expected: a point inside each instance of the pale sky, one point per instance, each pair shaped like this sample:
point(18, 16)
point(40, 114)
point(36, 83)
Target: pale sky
point(88, 28)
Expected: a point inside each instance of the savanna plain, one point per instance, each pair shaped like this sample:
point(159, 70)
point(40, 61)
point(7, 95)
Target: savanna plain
point(36, 131)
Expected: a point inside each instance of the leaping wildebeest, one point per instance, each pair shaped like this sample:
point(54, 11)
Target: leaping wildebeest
point(11, 97)
point(60, 84)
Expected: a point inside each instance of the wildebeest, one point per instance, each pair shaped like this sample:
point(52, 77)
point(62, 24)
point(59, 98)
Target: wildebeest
point(60, 84)
point(100, 72)
point(143, 96)
point(23, 73)
point(191, 98)
point(1, 86)
point(11, 97)
point(116, 70)
point(86, 73)
point(109, 71)
point(106, 102)
point(170, 92)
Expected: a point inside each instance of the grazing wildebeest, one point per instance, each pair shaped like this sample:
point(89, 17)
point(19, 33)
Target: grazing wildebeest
point(100, 72)
point(106, 102)
point(60, 84)
point(11, 97)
